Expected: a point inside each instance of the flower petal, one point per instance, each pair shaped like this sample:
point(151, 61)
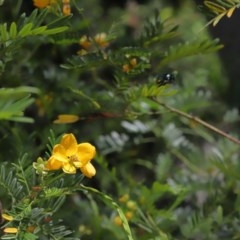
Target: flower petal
point(77, 164)
point(68, 168)
point(86, 152)
point(41, 3)
point(69, 142)
point(53, 164)
point(7, 217)
point(66, 118)
point(59, 153)
point(88, 170)
point(10, 230)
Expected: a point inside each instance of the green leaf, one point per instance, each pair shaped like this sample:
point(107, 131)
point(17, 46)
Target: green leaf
point(39, 30)
point(111, 202)
point(16, 93)
point(12, 109)
point(189, 49)
point(26, 30)
point(3, 32)
point(13, 30)
point(55, 30)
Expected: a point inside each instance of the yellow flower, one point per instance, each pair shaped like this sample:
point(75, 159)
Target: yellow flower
point(7, 217)
point(85, 42)
point(117, 221)
point(124, 198)
point(43, 3)
point(31, 228)
point(66, 118)
point(129, 215)
point(69, 155)
point(131, 205)
point(101, 40)
point(133, 62)
point(66, 7)
point(126, 68)
point(88, 170)
point(10, 230)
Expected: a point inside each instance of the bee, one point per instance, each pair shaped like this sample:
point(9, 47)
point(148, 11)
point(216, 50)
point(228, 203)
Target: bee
point(166, 78)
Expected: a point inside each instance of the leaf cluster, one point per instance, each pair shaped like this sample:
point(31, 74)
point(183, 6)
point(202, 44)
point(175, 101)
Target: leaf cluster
point(221, 9)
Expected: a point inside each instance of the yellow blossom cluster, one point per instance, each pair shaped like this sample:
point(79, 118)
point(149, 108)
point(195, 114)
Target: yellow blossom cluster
point(129, 66)
point(129, 212)
point(9, 229)
point(43, 3)
point(70, 156)
point(66, 8)
point(87, 43)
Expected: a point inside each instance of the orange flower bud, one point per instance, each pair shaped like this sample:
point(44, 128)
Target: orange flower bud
point(126, 68)
point(66, 9)
point(84, 42)
point(133, 62)
point(101, 40)
point(117, 221)
point(129, 215)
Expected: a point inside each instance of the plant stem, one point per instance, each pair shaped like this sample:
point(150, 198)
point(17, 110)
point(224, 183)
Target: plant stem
point(200, 121)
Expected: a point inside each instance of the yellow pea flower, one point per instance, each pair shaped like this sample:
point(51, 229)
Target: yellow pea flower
point(66, 7)
point(129, 215)
point(117, 221)
point(7, 217)
point(69, 155)
point(66, 118)
point(85, 42)
point(43, 3)
point(124, 198)
point(10, 230)
point(101, 40)
point(88, 170)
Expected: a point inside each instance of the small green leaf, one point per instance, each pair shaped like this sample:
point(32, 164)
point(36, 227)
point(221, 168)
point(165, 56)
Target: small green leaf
point(26, 30)
point(3, 32)
point(55, 30)
point(39, 30)
point(13, 30)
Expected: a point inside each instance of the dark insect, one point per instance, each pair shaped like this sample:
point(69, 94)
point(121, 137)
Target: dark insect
point(167, 78)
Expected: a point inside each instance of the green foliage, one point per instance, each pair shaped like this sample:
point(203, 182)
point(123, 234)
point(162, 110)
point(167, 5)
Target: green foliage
point(189, 49)
point(221, 9)
point(134, 92)
point(13, 102)
point(12, 35)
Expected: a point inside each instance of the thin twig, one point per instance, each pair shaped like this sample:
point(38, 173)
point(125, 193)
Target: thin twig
point(200, 121)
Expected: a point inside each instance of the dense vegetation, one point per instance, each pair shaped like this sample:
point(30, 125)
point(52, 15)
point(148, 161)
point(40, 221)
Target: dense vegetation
point(113, 122)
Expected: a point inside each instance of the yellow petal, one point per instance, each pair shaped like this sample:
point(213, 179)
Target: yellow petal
point(7, 217)
point(69, 142)
point(68, 168)
point(66, 118)
point(86, 152)
point(41, 3)
point(88, 170)
point(58, 148)
point(53, 164)
point(77, 164)
point(59, 153)
point(230, 12)
point(10, 230)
